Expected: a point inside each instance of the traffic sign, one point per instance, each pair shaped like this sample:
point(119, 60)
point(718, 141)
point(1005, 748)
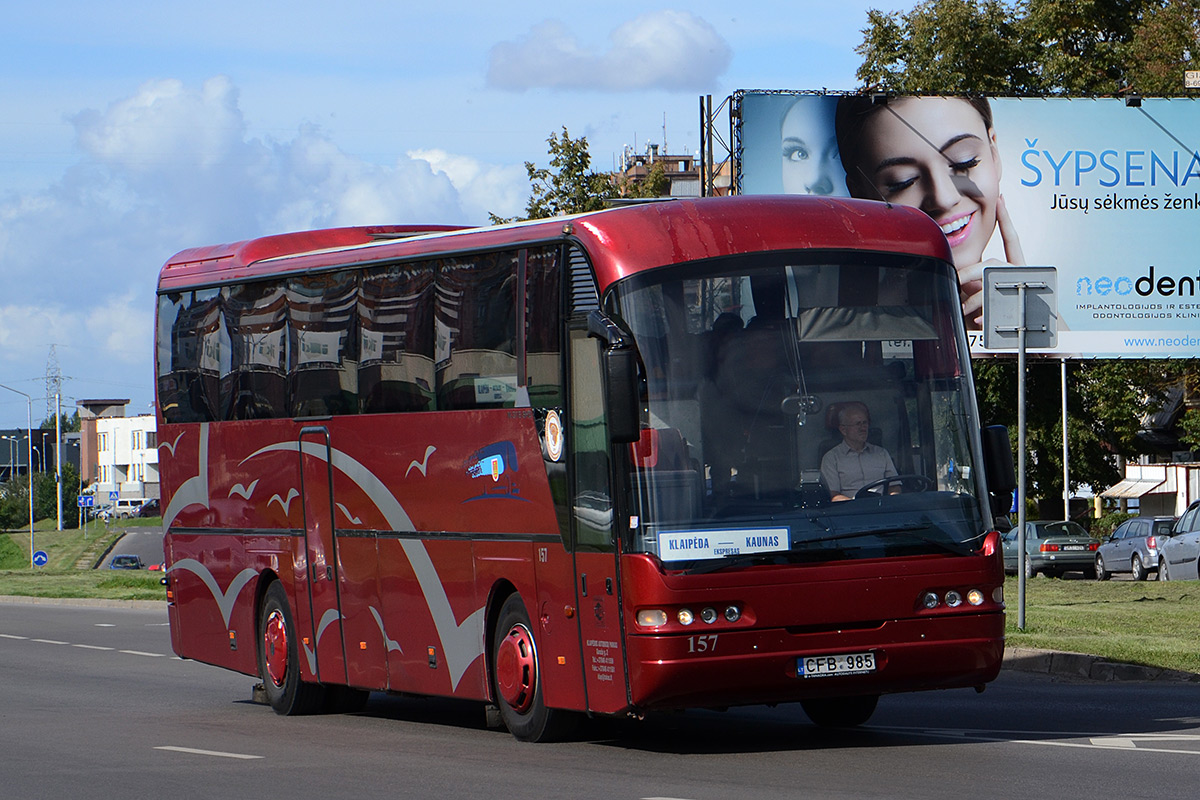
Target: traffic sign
point(40, 558)
point(113, 495)
point(85, 501)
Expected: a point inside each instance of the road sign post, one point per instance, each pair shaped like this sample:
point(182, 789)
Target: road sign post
point(1018, 301)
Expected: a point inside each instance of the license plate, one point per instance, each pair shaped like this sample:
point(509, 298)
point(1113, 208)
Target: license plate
point(842, 664)
point(1074, 547)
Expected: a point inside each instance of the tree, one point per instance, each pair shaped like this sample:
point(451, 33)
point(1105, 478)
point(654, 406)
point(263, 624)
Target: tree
point(568, 186)
point(1052, 47)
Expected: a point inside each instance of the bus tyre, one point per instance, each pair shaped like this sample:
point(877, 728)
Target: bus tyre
point(516, 678)
point(840, 712)
point(279, 658)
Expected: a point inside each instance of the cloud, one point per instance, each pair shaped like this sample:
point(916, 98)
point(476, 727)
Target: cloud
point(171, 166)
point(670, 50)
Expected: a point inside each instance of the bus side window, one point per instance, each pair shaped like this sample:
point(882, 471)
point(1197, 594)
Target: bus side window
point(395, 315)
point(255, 384)
point(322, 368)
point(475, 330)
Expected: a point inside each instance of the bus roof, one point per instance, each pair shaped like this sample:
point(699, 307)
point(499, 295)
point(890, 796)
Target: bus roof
point(620, 241)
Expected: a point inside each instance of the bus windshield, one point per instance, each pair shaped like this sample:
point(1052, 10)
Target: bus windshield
point(802, 407)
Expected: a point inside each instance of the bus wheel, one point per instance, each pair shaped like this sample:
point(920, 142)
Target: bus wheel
point(840, 712)
point(279, 658)
point(516, 678)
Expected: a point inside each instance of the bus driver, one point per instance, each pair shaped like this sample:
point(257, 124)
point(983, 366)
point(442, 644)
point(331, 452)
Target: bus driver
point(854, 463)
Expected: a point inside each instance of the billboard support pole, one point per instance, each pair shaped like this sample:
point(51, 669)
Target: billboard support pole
point(1066, 464)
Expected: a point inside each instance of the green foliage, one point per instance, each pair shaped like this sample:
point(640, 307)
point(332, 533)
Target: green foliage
point(1045, 47)
point(70, 424)
point(1102, 528)
point(11, 556)
point(568, 185)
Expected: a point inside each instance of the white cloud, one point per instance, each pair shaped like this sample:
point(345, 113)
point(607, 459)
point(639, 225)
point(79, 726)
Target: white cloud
point(671, 50)
point(169, 167)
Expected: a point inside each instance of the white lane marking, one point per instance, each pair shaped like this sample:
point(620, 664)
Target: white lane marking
point(105, 625)
point(11, 636)
point(48, 641)
point(140, 653)
point(1114, 741)
point(214, 753)
point(1128, 741)
point(92, 647)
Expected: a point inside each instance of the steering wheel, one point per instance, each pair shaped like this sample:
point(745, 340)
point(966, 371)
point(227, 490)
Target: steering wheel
point(907, 483)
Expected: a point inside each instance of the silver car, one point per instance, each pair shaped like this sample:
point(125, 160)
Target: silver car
point(1133, 547)
point(1179, 556)
point(1052, 548)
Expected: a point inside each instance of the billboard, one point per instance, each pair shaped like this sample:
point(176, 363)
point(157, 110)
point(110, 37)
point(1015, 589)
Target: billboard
point(1105, 192)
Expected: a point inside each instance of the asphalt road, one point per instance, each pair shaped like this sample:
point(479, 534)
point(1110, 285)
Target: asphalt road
point(95, 705)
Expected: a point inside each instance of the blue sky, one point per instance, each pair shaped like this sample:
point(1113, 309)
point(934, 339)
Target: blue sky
point(132, 130)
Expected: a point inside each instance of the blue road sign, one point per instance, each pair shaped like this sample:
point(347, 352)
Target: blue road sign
point(85, 501)
point(40, 558)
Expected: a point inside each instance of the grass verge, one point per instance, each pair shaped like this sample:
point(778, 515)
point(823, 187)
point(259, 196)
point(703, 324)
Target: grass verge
point(1150, 623)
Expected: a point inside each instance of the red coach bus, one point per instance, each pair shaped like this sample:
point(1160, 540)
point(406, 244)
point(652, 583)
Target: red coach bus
point(580, 464)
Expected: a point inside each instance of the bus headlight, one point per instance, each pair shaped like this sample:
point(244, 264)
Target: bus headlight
point(929, 600)
point(685, 616)
point(975, 597)
point(953, 599)
point(651, 618)
point(733, 614)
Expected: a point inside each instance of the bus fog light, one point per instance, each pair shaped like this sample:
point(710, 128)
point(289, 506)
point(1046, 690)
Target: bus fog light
point(929, 600)
point(975, 597)
point(953, 599)
point(709, 615)
point(733, 614)
point(685, 616)
point(651, 617)
point(998, 595)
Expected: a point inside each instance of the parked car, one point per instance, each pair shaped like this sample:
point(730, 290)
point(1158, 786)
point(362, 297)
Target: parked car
point(125, 562)
point(149, 508)
point(1133, 547)
point(1052, 548)
point(1179, 555)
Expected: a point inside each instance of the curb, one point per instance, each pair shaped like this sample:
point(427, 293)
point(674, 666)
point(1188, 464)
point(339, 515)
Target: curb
point(81, 602)
point(1080, 665)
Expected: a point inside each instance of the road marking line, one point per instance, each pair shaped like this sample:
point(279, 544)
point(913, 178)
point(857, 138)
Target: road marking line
point(214, 753)
point(11, 636)
point(1114, 741)
point(140, 653)
point(48, 641)
point(91, 647)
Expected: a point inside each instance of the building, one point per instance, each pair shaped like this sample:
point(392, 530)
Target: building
point(1158, 489)
point(681, 171)
point(119, 453)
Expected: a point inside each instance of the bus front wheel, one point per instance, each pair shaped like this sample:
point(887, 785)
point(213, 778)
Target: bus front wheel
point(516, 678)
point(840, 712)
point(279, 658)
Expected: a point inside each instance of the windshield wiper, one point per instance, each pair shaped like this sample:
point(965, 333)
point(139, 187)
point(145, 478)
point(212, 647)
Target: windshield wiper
point(911, 531)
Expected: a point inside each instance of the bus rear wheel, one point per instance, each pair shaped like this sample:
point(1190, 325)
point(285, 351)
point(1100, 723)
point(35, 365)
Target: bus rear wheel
point(840, 712)
point(279, 658)
point(517, 679)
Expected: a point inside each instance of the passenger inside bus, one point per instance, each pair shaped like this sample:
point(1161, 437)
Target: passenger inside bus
point(855, 462)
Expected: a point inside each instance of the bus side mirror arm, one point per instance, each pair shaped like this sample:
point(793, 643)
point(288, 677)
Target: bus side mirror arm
point(619, 362)
point(998, 468)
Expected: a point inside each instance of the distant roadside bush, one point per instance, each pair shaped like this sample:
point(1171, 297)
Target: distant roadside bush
point(1102, 528)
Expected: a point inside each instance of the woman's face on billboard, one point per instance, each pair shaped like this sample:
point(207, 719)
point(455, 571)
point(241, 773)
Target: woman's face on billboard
point(810, 154)
point(935, 154)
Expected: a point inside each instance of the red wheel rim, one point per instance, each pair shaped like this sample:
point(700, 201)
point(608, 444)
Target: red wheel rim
point(275, 647)
point(516, 668)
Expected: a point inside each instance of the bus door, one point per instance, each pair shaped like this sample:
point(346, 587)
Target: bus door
point(593, 532)
point(322, 642)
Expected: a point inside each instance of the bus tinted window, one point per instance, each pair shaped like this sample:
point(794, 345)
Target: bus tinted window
point(475, 323)
point(255, 384)
point(395, 314)
point(322, 364)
